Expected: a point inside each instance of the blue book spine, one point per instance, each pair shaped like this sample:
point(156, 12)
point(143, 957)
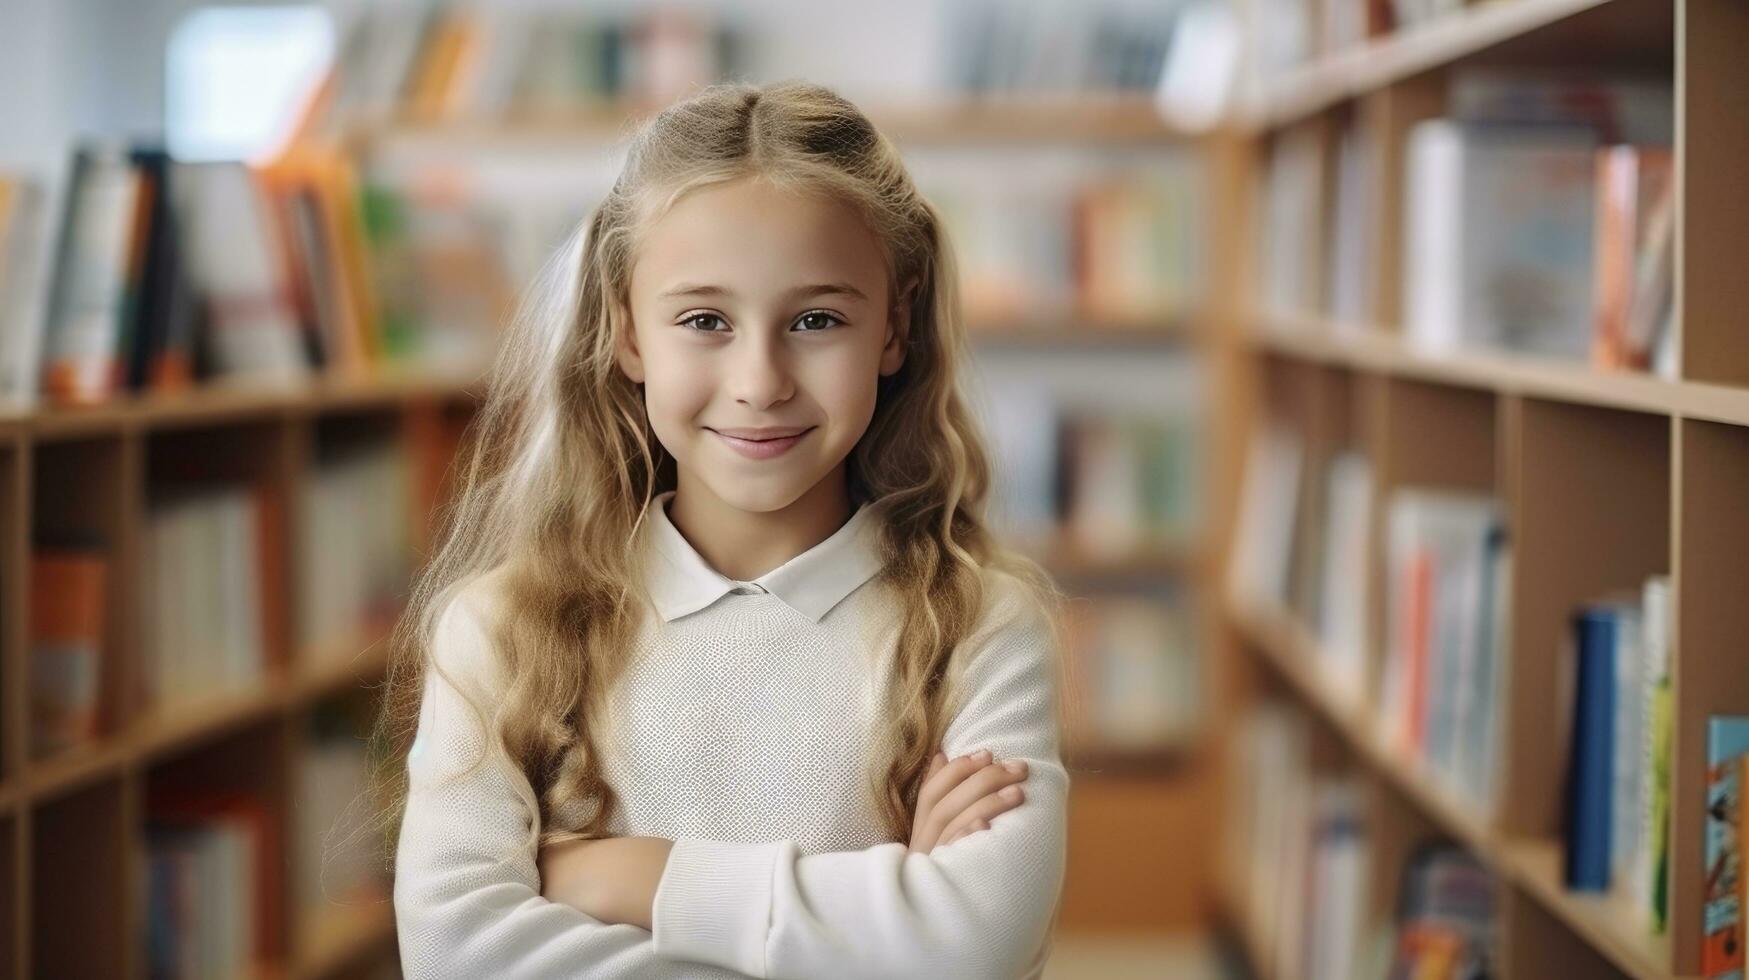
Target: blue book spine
point(1592, 776)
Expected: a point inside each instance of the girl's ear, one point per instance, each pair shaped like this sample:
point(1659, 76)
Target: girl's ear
point(898, 331)
point(626, 352)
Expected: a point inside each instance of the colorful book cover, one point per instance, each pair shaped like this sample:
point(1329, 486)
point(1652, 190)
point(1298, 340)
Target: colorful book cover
point(1591, 774)
point(1722, 943)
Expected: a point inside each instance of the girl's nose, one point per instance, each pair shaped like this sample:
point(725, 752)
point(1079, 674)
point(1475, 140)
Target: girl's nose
point(759, 374)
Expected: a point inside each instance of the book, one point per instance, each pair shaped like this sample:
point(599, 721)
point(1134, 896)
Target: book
point(83, 341)
point(26, 230)
point(1292, 221)
point(1631, 180)
point(1445, 915)
point(1652, 873)
point(69, 621)
point(1446, 589)
point(1499, 237)
point(235, 258)
point(1263, 552)
point(1721, 953)
point(1342, 609)
point(1591, 780)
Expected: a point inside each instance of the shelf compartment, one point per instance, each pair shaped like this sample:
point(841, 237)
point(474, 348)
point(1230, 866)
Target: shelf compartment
point(1707, 665)
point(240, 781)
point(1589, 514)
point(340, 889)
point(82, 881)
point(82, 495)
point(1610, 32)
point(188, 470)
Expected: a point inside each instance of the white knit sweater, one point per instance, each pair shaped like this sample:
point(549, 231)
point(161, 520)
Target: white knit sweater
point(741, 732)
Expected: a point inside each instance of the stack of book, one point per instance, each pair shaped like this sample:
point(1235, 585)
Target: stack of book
point(1067, 240)
point(354, 561)
point(214, 594)
point(1618, 816)
point(428, 63)
point(341, 861)
point(212, 886)
point(69, 646)
point(1448, 583)
point(1108, 482)
point(1538, 220)
point(1134, 664)
point(151, 275)
point(1298, 850)
point(1300, 857)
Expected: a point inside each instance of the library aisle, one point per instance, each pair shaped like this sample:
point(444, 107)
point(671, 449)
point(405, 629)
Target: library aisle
point(1370, 374)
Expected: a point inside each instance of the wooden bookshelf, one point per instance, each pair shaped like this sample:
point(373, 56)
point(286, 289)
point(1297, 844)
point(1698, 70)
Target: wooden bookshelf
point(73, 822)
point(1500, 30)
point(1603, 477)
point(1084, 119)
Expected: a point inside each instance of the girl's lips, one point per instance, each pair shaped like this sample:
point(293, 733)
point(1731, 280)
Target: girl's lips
point(762, 448)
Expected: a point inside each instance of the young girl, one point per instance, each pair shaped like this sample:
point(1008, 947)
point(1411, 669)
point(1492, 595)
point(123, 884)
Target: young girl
point(718, 671)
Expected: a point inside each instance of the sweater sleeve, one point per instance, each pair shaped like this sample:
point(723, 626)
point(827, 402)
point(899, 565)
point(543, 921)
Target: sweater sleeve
point(467, 887)
point(981, 907)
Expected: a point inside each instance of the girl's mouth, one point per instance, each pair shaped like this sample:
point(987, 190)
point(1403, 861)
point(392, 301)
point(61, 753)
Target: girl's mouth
point(762, 448)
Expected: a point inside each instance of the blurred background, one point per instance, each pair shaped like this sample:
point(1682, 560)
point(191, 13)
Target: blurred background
point(1339, 358)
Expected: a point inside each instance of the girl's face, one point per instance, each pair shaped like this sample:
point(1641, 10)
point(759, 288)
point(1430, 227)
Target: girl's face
point(754, 308)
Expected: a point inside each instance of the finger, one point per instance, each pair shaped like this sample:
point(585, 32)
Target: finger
point(964, 830)
point(983, 810)
point(973, 788)
point(924, 828)
point(936, 761)
point(947, 777)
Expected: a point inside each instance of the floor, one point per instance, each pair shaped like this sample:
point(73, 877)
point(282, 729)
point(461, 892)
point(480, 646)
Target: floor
point(1122, 958)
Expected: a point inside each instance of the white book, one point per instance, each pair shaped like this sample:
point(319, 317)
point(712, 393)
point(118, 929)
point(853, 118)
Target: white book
point(1498, 225)
point(24, 290)
point(81, 346)
point(236, 261)
point(1629, 732)
point(1655, 663)
point(1343, 603)
point(1268, 507)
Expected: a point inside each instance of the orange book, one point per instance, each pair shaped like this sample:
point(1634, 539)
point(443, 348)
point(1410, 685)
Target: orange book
point(68, 593)
point(1420, 632)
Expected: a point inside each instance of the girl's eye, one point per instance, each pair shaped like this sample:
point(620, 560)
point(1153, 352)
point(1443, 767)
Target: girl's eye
point(823, 315)
point(820, 320)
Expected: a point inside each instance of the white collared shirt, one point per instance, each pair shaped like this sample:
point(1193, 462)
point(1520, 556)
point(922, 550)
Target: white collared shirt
point(743, 731)
point(811, 583)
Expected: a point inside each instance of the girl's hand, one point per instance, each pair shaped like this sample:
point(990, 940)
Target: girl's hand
point(958, 798)
point(612, 880)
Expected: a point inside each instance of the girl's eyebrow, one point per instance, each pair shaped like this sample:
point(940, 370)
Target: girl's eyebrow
point(800, 292)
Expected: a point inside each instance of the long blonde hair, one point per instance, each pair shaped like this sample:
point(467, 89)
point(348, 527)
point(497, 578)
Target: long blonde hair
point(561, 464)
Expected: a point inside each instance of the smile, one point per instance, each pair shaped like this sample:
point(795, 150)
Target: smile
point(762, 448)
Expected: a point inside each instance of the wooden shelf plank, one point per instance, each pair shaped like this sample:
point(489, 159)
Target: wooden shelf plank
point(326, 671)
point(1075, 118)
point(1072, 330)
point(1505, 373)
point(1602, 921)
point(211, 404)
point(1376, 63)
point(1531, 865)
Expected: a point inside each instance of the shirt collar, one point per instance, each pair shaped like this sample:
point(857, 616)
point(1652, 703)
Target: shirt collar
point(811, 583)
